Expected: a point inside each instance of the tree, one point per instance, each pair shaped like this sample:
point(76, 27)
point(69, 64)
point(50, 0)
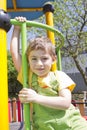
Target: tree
point(70, 18)
point(13, 85)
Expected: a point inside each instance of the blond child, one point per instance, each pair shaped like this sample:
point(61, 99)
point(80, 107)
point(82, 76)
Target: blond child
point(49, 92)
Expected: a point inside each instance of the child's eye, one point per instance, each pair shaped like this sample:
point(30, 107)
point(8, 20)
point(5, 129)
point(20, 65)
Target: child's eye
point(34, 59)
point(45, 58)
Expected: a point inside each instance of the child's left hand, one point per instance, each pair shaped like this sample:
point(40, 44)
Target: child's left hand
point(27, 95)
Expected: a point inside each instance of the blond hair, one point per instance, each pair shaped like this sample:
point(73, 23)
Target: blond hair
point(42, 43)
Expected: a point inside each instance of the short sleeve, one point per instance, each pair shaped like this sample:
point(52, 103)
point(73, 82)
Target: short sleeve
point(64, 81)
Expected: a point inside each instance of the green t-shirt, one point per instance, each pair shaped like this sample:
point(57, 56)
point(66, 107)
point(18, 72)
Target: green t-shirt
point(45, 118)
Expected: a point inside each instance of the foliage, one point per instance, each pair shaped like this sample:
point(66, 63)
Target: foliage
point(70, 17)
point(13, 85)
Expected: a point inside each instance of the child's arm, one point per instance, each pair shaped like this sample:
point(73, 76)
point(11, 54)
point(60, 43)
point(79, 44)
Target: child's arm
point(14, 46)
point(62, 101)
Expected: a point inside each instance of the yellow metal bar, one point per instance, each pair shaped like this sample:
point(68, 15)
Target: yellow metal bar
point(14, 4)
point(49, 21)
point(24, 9)
point(3, 77)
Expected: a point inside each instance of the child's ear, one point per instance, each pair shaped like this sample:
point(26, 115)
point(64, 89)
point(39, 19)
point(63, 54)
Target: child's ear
point(54, 59)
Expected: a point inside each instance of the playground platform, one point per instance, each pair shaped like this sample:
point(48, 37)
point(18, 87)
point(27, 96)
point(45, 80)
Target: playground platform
point(16, 126)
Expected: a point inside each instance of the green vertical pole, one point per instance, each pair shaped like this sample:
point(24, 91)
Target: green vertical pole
point(59, 64)
point(25, 75)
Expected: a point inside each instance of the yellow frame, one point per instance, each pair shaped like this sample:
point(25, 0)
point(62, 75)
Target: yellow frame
point(4, 122)
point(15, 9)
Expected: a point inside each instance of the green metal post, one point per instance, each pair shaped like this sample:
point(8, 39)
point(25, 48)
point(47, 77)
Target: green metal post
point(40, 25)
point(59, 64)
point(25, 75)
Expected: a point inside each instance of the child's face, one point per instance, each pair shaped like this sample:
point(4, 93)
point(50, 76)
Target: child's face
point(40, 62)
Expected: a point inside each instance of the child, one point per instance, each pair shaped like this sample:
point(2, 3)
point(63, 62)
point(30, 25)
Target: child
point(50, 92)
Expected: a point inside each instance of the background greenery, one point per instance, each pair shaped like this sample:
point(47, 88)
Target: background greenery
point(13, 85)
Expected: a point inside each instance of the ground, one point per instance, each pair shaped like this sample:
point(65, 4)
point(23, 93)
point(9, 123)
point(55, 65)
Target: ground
point(16, 126)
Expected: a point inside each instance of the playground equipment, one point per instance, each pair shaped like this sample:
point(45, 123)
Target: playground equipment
point(3, 74)
point(4, 20)
point(29, 9)
point(18, 8)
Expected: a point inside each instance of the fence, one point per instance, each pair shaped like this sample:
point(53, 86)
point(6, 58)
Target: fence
point(15, 109)
point(82, 105)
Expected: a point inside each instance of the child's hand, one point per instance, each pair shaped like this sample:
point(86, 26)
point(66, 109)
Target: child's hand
point(20, 19)
point(27, 95)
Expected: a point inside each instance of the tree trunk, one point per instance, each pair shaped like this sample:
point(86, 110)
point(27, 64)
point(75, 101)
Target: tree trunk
point(83, 73)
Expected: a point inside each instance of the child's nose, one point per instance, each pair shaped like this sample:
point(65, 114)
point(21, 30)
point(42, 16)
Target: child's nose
point(39, 62)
